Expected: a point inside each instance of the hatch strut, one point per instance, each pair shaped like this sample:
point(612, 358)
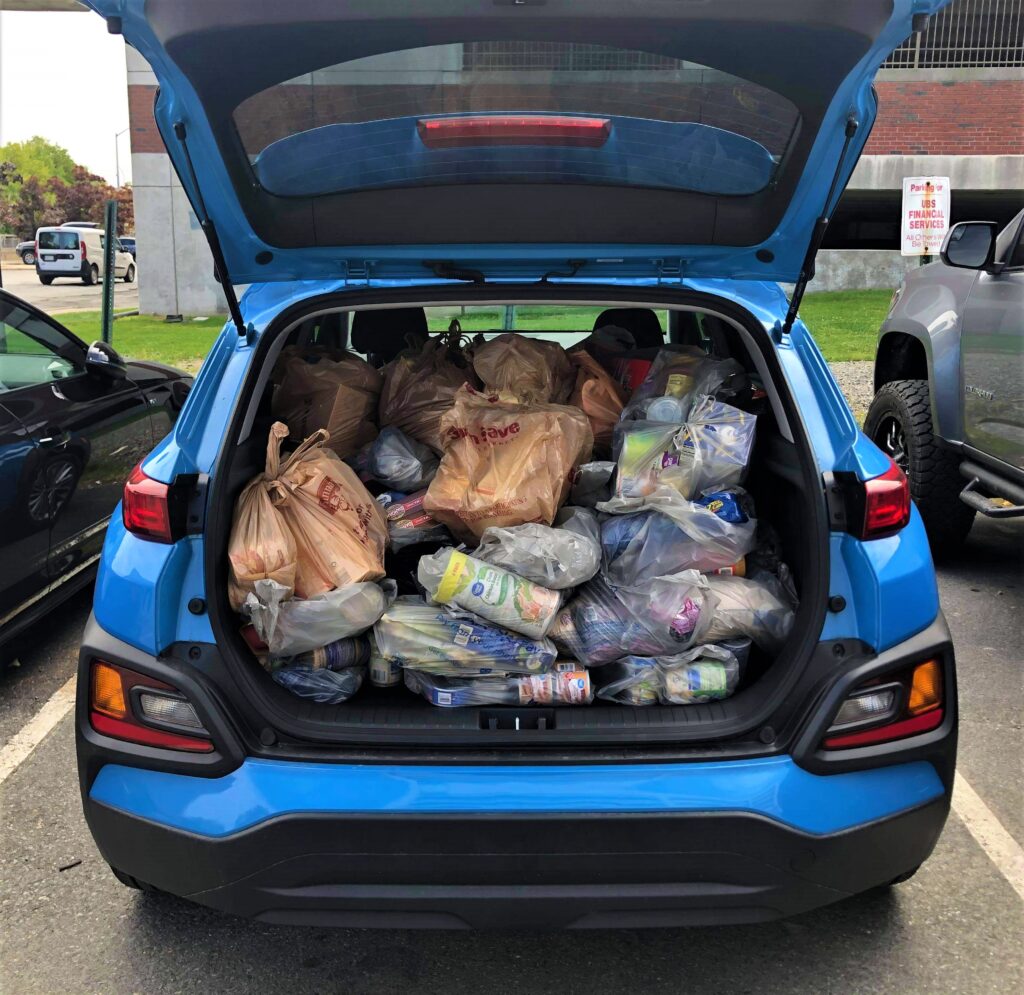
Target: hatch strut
point(818, 232)
point(211, 235)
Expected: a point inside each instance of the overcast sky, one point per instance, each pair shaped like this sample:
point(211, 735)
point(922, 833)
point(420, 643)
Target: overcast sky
point(63, 77)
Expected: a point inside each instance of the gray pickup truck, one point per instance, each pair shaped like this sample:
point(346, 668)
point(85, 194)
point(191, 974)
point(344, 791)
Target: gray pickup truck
point(949, 381)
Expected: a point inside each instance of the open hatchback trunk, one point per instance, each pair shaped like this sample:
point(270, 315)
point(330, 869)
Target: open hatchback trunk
point(784, 482)
point(325, 139)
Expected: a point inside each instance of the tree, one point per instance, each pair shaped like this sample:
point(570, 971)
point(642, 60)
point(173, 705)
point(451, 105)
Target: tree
point(33, 209)
point(83, 198)
point(39, 158)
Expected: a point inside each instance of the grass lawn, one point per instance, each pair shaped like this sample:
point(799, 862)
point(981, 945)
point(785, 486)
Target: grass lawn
point(844, 323)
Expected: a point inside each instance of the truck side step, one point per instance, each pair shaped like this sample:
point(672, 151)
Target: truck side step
point(989, 495)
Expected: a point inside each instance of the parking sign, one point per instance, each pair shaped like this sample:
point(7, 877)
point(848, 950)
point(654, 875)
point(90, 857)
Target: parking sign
point(925, 214)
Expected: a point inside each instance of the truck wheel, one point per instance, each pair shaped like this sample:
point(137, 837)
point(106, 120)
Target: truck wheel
point(129, 274)
point(28, 257)
point(899, 422)
point(91, 276)
point(46, 280)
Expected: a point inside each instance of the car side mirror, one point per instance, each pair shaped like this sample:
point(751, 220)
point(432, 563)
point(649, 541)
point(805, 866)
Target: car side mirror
point(971, 245)
point(103, 360)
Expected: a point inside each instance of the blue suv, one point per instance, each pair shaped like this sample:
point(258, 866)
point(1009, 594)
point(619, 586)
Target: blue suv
point(359, 164)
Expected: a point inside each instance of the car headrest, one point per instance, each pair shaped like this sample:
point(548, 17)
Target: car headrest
point(383, 334)
point(641, 322)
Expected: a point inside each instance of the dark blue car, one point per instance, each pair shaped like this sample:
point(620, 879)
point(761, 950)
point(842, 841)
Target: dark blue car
point(357, 165)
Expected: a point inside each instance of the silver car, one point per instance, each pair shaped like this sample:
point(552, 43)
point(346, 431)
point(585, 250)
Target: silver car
point(949, 380)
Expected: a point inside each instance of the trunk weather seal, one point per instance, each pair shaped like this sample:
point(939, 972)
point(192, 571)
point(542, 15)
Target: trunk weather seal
point(728, 732)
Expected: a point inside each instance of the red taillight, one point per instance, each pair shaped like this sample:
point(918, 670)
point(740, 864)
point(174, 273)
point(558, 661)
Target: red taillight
point(85, 252)
point(514, 129)
point(886, 504)
point(883, 734)
point(113, 709)
point(146, 507)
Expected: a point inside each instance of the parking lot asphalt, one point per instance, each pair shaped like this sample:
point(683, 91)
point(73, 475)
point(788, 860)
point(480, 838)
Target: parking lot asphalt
point(65, 294)
point(955, 927)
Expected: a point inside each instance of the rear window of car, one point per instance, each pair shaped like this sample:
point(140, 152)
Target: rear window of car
point(58, 240)
point(516, 111)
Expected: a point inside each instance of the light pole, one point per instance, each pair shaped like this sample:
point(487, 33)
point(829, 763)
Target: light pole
point(117, 155)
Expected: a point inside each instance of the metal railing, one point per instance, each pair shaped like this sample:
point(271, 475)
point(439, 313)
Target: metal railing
point(967, 34)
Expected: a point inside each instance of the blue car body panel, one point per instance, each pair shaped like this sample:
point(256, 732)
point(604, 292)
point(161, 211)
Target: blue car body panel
point(774, 787)
point(178, 102)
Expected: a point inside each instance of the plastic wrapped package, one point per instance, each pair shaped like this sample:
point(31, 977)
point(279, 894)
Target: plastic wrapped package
point(666, 392)
point(399, 462)
point(705, 673)
point(592, 484)
point(646, 451)
point(724, 380)
point(713, 448)
point(596, 627)
point(261, 546)
point(561, 687)
point(408, 523)
point(558, 557)
point(289, 626)
point(599, 397)
point(329, 674)
point(340, 532)
point(759, 607)
point(505, 463)
point(454, 578)
point(671, 534)
point(676, 610)
point(317, 392)
point(420, 386)
point(441, 640)
point(328, 687)
point(533, 370)
point(383, 673)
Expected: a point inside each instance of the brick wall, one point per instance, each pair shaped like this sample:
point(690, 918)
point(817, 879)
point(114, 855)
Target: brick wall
point(972, 117)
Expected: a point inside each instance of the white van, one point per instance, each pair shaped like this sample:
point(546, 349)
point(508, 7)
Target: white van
point(78, 253)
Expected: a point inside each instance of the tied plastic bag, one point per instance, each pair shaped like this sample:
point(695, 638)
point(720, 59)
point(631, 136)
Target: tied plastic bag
point(505, 463)
point(328, 687)
point(290, 627)
point(340, 396)
point(599, 396)
point(441, 640)
point(676, 610)
point(596, 627)
point(705, 673)
point(556, 557)
point(759, 607)
point(592, 484)
point(666, 393)
point(670, 534)
point(453, 578)
point(420, 386)
point(261, 546)
point(340, 531)
point(400, 462)
point(532, 369)
point(713, 448)
point(562, 687)
point(408, 523)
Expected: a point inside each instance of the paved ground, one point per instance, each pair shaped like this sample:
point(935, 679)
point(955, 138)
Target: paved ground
point(64, 295)
point(956, 927)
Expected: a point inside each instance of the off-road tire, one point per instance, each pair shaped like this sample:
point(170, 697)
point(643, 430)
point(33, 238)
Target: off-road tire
point(933, 471)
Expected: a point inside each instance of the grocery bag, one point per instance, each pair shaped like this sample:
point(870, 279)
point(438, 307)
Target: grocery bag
point(400, 462)
point(531, 369)
point(340, 531)
point(261, 546)
point(600, 397)
point(562, 687)
point(505, 462)
point(341, 396)
point(420, 386)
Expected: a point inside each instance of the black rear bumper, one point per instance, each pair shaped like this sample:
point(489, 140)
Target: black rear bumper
point(523, 871)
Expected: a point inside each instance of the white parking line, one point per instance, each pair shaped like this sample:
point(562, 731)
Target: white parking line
point(36, 729)
point(1003, 850)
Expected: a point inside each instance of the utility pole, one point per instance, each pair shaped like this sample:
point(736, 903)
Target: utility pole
point(117, 155)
